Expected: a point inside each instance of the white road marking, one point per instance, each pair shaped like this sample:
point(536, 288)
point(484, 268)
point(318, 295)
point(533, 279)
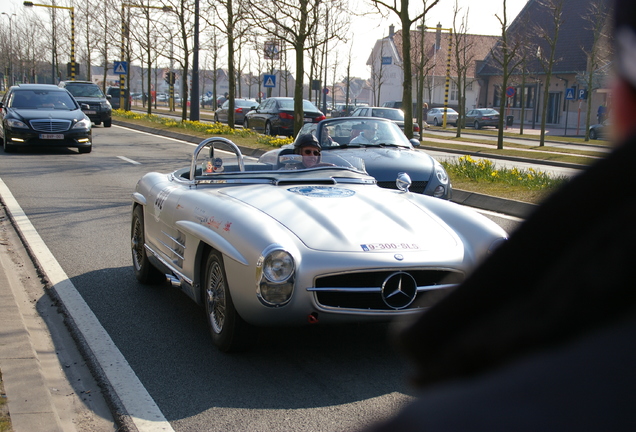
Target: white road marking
point(124, 158)
point(138, 403)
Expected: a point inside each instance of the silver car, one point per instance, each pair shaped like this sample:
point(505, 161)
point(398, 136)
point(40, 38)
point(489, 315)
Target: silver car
point(241, 107)
point(263, 245)
point(435, 116)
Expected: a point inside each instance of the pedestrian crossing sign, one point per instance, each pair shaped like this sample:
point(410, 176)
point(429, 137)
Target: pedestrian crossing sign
point(569, 93)
point(269, 81)
point(120, 67)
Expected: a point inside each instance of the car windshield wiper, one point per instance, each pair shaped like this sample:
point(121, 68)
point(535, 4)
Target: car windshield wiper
point(383, 144)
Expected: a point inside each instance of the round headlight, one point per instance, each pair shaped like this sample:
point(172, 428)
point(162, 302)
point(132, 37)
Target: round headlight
point(278, 266)
point(440, 172)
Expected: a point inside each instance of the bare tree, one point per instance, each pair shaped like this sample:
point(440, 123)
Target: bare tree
point(504, 54)
point(229, 14)
point(184, 16)
point(402, 11)
point(546, 53)
point(377, 72)
point(294, 21)
point(598, 54)
point(464, 60)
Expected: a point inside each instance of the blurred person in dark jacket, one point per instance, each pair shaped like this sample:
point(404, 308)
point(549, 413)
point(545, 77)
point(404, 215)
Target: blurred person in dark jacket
point(542, 335)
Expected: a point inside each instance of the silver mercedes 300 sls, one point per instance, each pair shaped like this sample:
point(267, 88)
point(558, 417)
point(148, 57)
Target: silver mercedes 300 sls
point(260, 244)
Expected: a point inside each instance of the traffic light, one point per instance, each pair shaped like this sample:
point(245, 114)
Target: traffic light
point(68, 69)
point(170, 78)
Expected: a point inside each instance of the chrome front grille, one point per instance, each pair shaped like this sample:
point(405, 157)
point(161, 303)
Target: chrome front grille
point(364, 290)
point(50, 125)
point(416, 186)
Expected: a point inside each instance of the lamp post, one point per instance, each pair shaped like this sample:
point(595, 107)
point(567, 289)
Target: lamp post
point(72, 9)
point(124, 31)
point(11, 81)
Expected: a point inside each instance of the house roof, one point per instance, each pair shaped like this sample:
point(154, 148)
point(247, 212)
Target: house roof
point(478, 47)
point(536, 20)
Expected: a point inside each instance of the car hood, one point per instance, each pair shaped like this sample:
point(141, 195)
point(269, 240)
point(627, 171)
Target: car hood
point(351, 218)
point(39, 114)
point(384, 163)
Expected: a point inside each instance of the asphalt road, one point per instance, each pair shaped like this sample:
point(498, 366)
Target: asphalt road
point(313, 379)
point(308, 379)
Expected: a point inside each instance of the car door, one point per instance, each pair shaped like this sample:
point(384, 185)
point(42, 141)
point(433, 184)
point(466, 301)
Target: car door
point(222, 114)
point(259, 117)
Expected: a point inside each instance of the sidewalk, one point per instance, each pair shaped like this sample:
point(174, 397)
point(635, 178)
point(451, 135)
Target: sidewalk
point(47, 384)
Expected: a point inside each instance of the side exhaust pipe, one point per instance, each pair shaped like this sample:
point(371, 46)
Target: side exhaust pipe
point(173, 281)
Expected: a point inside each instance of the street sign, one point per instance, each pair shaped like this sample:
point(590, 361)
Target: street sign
point(120, 67)
point(569, 93)
point(269, 81)
point(582, 94)
point(325, 90)
point(510, 92)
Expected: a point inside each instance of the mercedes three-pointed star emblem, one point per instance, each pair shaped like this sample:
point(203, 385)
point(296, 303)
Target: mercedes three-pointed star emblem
point(399, 290)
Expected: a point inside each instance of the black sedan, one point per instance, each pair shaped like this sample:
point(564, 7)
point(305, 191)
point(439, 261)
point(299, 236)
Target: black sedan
point(275, 116)
point(241, 107)
point(381, 148)
point(481, 117)
point(44, 115)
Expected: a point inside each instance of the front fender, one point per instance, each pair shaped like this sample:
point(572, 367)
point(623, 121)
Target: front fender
point(213, 239)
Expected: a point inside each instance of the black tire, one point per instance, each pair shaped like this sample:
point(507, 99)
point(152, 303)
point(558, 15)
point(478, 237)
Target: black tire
point(435, 122)
point(246, 124)
point(268, 129)
point(477, 125)
point(593, 134)
point(145, 272)
point(229, 331)
point(108, 123)
point(97, 123)
point(86, 149)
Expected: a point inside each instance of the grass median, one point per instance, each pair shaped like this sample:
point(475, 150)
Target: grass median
point(469, 173)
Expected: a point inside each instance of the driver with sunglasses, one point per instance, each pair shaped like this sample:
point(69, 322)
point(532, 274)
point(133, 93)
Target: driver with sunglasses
point(309, 150)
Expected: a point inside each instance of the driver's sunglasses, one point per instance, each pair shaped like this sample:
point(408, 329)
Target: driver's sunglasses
point(308, 152)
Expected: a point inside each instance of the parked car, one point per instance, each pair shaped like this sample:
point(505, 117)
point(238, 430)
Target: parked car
point(87, 92)
point(388, 155)
point(600, 130)
point(398, 105)
point(113, 92)
point(241, 107)
point(256, 245)
point(43, 115)
point(393, 114)
point(344, 110)
point(275, 116)
point(481, 117)
point(435, 116)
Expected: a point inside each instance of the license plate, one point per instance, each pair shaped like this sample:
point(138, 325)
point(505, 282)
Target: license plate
point(52, 136)
point(308, 120)
point(90, 112)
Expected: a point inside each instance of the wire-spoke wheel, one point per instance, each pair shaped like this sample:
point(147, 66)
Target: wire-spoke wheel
point(145, 272)
point(229, 331)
